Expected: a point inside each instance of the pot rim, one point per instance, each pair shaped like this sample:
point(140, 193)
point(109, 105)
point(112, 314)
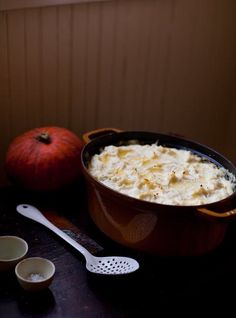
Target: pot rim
point(153, 205)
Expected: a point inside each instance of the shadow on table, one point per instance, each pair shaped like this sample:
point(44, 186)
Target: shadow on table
point(167, 284)
point(40, 303)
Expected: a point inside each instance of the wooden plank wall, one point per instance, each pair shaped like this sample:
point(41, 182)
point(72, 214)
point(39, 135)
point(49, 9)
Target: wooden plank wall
point(162, 65)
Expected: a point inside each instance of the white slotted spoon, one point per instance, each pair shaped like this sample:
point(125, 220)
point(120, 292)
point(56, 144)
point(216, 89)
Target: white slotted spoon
point(108, 265)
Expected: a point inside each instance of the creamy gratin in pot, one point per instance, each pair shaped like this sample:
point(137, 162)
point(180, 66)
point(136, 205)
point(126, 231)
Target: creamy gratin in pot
point(159, 229)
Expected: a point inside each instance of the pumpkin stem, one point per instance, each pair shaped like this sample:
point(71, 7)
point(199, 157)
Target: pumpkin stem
point(44, 138)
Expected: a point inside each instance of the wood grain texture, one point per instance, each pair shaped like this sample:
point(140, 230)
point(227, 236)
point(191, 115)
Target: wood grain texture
point(21, 4)
point(79, 63)
point(166, 66)
point(17, 70)
point(33, 68)
point(5, 103)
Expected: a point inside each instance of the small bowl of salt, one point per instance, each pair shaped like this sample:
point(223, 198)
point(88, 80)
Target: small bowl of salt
point(35, 273)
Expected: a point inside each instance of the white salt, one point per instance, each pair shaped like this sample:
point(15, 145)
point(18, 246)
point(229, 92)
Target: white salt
point(35, 277)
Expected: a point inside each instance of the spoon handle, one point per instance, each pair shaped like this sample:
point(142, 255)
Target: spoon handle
point(33, 213)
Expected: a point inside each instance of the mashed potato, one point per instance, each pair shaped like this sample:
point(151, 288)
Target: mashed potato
point(160, 174)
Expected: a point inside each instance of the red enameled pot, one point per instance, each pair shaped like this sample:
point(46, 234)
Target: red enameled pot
point(158, 229)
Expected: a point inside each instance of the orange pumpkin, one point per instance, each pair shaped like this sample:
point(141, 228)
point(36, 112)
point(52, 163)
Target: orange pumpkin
point(44, 159)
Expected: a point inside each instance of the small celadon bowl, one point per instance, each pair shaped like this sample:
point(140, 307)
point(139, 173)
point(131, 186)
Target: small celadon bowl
point(12, 250)
point(35, 273)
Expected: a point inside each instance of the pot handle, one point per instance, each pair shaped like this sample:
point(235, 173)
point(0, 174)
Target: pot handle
point(218, 215)
point(87, 137)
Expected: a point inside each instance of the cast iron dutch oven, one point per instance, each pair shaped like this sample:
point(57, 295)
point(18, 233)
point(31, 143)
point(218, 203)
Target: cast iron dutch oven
point(164, 230)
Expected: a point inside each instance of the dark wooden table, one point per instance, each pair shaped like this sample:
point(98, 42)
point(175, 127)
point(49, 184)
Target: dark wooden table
point(182, 285)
